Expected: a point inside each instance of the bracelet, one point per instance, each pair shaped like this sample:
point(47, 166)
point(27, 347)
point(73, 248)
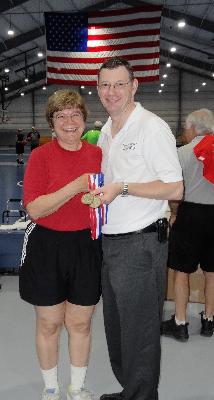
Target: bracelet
point(125, 190)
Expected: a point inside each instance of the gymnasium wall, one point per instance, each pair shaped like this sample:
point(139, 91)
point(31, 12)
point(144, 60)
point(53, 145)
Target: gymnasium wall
point(178, 96)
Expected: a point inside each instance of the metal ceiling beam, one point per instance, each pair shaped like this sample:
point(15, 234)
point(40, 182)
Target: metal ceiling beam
point(21, 39)
point(186, 46)
point(204, 66)
point(8, 5)
point(177, 15)
point(183, 69)
point(16, 85)
point(31, 65)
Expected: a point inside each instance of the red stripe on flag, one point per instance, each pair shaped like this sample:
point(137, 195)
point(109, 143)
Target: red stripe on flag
point(125, 11)
point(93, 82)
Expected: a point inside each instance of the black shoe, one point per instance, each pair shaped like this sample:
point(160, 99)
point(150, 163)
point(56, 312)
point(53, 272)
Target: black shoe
point(207, 327)
point(171, 329)
point(112, 396)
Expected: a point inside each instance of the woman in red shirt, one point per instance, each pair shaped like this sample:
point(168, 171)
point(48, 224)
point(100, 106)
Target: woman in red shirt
point(60, 266)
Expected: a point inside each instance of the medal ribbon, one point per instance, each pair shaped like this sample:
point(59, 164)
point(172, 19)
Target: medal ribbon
point(98, 216)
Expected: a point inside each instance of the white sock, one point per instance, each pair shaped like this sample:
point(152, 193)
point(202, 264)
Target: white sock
point(78, 375)
point(209, 318)
point(50, 378)
point(178, 322)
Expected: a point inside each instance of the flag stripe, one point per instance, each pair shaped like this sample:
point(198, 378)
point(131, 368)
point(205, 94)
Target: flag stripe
point(92, 64)
point(75, 57)
point(78, 43)
point(73, 81)
point(131, 28)
point(126, 11)
point(124, 46)
point(94, 71)
point(141, 21)
point(124, 34)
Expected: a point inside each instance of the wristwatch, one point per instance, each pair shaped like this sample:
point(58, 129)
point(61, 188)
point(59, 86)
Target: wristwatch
point(125, 190)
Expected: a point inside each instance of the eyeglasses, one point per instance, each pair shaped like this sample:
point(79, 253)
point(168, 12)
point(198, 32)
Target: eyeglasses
point(76, 116)
point(117, 85)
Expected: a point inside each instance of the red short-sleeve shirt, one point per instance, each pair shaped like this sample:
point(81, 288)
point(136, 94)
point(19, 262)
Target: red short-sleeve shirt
point(49, 168)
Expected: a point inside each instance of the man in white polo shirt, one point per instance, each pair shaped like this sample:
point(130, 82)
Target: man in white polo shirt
point(142, 172)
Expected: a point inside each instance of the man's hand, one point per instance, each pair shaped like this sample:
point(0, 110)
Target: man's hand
point(108, 192)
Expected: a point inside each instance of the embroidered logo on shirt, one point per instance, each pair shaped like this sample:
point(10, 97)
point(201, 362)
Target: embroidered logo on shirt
point(129, 146)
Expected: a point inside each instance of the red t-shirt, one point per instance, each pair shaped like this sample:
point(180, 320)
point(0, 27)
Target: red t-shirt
point(49, 168)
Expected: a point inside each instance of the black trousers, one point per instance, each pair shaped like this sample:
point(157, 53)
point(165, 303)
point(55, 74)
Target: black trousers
point(133, 283)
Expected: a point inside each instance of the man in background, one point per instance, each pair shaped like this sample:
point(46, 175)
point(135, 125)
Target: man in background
point(33, 137)
point(92, 135)
point(191, 238)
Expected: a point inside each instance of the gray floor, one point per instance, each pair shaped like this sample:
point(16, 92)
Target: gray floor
point(187, 370)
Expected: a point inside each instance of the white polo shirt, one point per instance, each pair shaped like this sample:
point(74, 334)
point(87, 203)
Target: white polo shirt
point(144, 150)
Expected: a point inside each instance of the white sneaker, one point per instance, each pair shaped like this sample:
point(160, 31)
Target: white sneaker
point(82, 394)
point(51, 394)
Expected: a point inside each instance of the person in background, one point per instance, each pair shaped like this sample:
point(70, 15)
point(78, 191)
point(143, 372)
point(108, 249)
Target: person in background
point(33, 137)
point(191, 239)
point(142, 172)
point(20, 146)
point(60, 266)
point(92, 135)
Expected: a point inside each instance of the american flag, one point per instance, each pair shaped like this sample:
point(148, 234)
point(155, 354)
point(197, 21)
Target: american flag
point(78, 43)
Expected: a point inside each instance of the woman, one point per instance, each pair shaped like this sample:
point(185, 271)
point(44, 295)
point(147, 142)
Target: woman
point(60, 266)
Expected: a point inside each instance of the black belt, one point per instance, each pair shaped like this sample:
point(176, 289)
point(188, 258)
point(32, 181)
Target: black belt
point(148, 229)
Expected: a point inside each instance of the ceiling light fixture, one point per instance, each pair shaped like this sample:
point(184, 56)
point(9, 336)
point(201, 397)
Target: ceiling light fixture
point(10, 31)
point(160, 90)
point(203, 83)
point(26, 79)
point(173, 49)
point(165, 76)
point(181, 24)
point(6, 70)
point(40, 54)
point(196, 90)
point(6, 89)
point(168, 65)
point(22, 94)
point(44, 88)
point(89, 92)
point(82, 87)
point(162, 84)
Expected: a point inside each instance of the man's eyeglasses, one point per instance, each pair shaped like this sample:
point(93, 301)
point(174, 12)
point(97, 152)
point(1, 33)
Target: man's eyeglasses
point(77, 116)
point(117, 85)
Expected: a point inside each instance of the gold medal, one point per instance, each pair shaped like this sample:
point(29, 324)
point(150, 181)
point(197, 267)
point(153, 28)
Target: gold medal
point(96, 202)
point(87, 198)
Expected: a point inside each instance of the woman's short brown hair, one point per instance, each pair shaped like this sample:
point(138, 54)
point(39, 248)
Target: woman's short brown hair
point(63, 99)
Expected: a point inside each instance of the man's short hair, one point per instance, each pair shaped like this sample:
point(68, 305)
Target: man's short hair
point(202, 120)
point(116, 62)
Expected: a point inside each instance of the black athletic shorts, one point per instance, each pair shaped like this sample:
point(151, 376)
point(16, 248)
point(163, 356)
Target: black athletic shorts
point(191, 239)
point(20, 148)
point(58, 266)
